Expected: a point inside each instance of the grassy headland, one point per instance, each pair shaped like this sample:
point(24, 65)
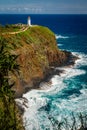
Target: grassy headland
point(38, 52)
point(35, 50)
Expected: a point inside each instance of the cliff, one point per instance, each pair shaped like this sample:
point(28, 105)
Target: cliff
point(37, 53)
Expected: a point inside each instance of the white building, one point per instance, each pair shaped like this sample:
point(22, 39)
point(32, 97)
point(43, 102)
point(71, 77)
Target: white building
point(29, 21)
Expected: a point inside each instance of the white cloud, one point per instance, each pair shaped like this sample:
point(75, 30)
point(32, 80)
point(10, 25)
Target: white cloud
point(21, 9)
point(50, 8)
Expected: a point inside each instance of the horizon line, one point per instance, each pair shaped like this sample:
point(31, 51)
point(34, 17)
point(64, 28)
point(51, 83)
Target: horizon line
point(40, 14)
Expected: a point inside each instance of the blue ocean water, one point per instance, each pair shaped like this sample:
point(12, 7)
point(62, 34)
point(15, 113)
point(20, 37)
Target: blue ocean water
point(68, 92)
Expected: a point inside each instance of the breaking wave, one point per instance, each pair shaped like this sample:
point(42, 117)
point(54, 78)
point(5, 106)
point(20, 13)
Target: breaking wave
point(58, 98)
point(60, 36)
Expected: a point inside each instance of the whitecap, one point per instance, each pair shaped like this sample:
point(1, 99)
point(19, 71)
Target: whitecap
point(60, 36)
point(82, 61)
point(33, 118)
point(60, 44)
point(73, 72)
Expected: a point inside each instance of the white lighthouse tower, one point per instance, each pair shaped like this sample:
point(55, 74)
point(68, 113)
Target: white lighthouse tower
point(29, 21)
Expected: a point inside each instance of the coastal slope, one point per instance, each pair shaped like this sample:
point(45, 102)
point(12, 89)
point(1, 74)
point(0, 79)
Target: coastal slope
point(37, 52)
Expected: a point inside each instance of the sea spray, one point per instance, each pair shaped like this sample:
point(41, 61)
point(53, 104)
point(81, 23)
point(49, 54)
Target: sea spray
point(59, 99)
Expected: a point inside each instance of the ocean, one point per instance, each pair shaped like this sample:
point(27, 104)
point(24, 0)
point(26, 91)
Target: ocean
point(66, 97)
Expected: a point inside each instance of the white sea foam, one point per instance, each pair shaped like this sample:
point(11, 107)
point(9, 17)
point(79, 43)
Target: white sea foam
point(60, 36)
point(60, 44)
point(72, 72)
point(36, 99)
point(82, 61)
point(31, 115)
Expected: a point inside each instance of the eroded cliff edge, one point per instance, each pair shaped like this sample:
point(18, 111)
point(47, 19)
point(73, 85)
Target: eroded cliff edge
point(38, 53)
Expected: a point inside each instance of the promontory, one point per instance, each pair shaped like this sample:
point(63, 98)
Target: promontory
point(37, 53)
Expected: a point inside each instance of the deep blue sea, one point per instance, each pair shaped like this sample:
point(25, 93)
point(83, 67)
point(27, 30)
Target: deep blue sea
point(68, 92)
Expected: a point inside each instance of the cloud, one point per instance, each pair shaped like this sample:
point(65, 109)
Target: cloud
point(44, 7)
point(21, 10)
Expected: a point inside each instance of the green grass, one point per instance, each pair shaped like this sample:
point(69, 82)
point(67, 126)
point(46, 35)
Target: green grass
point(10, 28)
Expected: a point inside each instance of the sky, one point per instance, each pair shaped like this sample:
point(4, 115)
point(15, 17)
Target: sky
point(43, 6)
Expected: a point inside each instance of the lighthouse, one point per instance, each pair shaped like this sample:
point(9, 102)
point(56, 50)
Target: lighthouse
point(29, 21)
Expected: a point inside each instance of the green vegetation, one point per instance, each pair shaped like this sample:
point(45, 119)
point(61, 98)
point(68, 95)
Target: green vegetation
point(29, 45)
point(35, 50)
point(9, 116)
point(11, 28)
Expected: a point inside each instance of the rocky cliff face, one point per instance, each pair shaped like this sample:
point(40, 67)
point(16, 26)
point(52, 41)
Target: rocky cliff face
point(38, 52)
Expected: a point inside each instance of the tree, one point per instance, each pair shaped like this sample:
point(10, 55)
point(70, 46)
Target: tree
point(8, 113)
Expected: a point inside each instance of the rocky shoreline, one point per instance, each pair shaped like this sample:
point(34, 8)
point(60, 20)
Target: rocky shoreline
point(35, 83)
point(38, 83)
point(37, 56)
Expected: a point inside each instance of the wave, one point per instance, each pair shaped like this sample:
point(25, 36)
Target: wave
point(72, 72)
point(60, 36)
point(60, 44)
point(50, 99)
point(82, 61)
point(38, 101)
